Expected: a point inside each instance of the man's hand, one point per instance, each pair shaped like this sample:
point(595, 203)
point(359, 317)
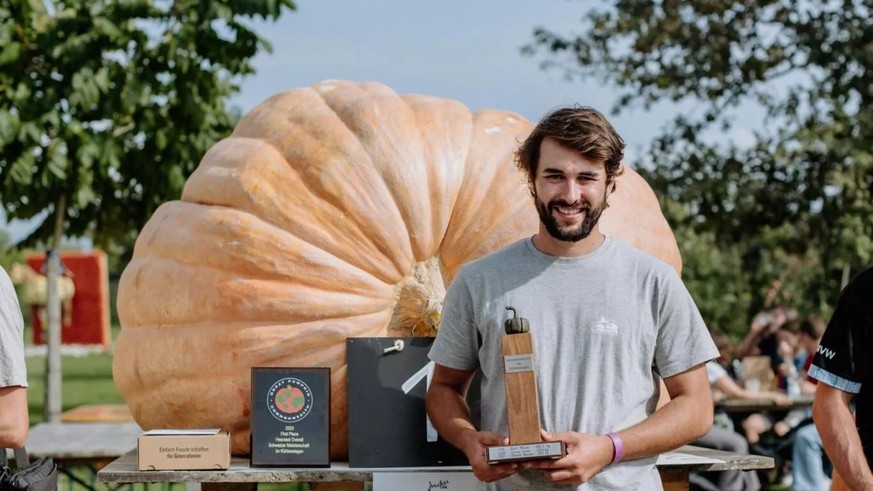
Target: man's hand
point(450, 415)
point(586, 456)
point(476, 453)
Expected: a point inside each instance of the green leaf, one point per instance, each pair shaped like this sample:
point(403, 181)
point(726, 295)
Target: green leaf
point(22, 91)
point(29, 132)
point(36, 6)
point(23, 168)
point(161, 140)
point(56, 162)
point(101, 80)
point(10, 53)
point(85, 196)
point(9, 127)
point(222, 11)
point(88, 153)
point(86, 92)
point(106, 27)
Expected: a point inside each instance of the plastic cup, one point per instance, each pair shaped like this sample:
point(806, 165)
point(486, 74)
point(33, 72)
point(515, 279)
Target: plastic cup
point(753, 385)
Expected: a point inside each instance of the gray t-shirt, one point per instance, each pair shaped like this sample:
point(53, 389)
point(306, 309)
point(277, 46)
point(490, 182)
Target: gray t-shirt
point(12, 369)
point(605, 326)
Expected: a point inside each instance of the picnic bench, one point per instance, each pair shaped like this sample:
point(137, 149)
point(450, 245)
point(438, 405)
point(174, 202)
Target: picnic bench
point(674, 467)
point(82, 445)
point(735, 405)
point(88, 436)
point(97, 413)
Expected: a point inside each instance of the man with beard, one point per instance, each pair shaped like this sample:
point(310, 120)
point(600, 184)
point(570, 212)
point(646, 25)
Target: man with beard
point(608, 322)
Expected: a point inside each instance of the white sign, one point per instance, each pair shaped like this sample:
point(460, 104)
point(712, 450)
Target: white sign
point(424, 481)
point(518, 363)
point(426, 374)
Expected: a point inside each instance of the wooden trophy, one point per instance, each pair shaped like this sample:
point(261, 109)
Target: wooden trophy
point(525, 442)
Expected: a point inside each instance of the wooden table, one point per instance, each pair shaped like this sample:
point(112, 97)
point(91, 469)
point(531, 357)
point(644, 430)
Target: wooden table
point(98, 413)
point(674, 467)
point(755, 405)
point(81, 444)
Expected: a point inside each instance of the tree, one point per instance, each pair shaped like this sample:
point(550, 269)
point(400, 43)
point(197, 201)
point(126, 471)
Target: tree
point(800, 194)
point(8, 253)
point(106, 107)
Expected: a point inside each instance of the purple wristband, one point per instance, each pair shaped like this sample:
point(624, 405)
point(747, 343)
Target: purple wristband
point(619, 448)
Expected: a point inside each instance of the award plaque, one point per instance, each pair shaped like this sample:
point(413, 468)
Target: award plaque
point(523, 411)
point(290, 418)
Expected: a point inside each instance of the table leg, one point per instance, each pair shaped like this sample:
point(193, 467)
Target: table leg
point(337, 486)
point(675, 481)
point(228, 486)
point(73, 478)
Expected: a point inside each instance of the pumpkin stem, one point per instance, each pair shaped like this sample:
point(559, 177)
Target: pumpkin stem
point(419, 301)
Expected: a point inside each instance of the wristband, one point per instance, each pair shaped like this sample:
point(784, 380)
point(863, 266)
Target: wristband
point(619, 448)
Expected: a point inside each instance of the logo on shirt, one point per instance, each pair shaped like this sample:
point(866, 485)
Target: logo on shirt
point(605, 326)
point(827, 353)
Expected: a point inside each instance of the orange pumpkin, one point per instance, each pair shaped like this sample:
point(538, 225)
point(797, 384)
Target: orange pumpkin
point(335, 211)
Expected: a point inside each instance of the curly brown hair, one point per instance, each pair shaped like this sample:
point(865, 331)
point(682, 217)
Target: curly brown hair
point(580, 128)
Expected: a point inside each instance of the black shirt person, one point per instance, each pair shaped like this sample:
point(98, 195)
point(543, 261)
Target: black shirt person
point(843, 365)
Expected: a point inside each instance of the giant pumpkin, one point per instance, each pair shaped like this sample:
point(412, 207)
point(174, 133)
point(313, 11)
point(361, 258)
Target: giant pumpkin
point(334, 211)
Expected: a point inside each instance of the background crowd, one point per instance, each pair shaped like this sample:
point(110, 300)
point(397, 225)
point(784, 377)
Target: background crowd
point(786, 342)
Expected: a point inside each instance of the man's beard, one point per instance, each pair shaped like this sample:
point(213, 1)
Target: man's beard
point(592, 216)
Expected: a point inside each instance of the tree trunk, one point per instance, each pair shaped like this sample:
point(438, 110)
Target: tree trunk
point(53, 319)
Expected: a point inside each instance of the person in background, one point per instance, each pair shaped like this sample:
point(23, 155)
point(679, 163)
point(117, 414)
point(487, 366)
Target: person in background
point(726, 351)
point(810, 332)
point(809, 464)
point(764, 336)
point(14, 420)
point(773, 334)
point(786, 361)
point(844, 371)
point(722, 435)
point(725, 385)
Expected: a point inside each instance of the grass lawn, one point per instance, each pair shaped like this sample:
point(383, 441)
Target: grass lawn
point(86, 380)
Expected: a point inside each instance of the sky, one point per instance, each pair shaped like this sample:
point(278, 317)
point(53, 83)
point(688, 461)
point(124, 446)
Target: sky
point(468, 50)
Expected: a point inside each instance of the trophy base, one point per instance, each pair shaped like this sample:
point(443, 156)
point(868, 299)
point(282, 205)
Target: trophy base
point(526, 451)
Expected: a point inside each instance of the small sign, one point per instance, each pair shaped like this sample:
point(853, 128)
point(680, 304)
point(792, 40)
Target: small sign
point(290, 419)
point(530, 451)
point(388, 423)
point(424, 481)
point(518, 363)
point(183, 449)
